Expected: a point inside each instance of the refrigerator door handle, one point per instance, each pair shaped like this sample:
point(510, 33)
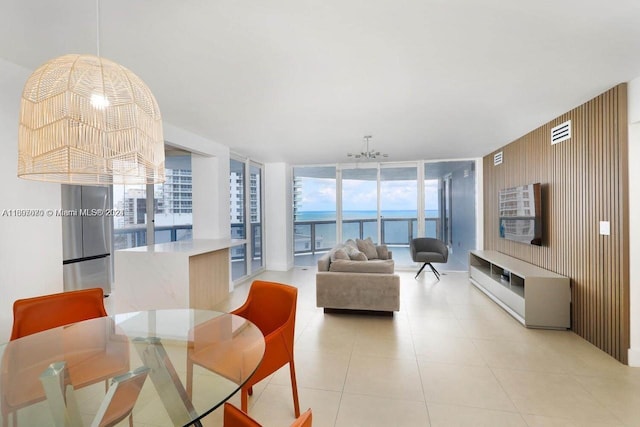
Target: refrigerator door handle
point(86, 258)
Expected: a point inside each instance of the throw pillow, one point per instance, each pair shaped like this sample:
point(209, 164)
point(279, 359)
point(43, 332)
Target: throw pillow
point(354, 254)
point(351, 243)
point(367, 247)
point(360, 256)
point(383, 252)
point(339, 254)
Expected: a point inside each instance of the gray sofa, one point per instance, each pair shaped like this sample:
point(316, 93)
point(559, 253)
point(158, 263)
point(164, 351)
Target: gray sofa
point(357, 283)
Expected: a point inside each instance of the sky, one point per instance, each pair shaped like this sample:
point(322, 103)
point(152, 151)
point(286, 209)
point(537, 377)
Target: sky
point(319, 194)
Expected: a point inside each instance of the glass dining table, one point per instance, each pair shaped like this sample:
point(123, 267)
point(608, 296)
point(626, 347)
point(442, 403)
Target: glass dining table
point(100, 371)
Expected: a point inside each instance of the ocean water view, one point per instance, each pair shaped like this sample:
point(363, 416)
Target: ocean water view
point(331, 215)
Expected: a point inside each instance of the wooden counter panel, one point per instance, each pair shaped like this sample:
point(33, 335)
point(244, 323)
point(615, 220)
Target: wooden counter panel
point(208, 279)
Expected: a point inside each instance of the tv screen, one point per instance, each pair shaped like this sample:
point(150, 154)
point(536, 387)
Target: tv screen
point(520, 214)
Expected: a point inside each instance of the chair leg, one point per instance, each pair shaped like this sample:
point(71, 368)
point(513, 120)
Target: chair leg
point(244, 400)
point(294, 387)
point(435, 271)
point(189, 378)
point(421, 268)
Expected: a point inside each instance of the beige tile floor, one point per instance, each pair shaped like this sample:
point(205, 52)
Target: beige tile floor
point(450, 357)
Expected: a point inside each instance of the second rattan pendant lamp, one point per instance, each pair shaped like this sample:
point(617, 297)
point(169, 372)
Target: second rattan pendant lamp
point(88, 120)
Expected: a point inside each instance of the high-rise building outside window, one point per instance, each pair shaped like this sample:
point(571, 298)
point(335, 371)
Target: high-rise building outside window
point(172, 206)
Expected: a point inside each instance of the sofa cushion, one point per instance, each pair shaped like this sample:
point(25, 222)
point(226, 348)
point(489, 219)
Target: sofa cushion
point(374, 266)
point(367, 247)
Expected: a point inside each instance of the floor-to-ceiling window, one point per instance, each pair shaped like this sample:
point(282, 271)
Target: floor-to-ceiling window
point(399, 209)
point(314, 212)
point(168, 215)
point(129, 228)
point(432, 212)
point(237, 213)
point(391, 203)
point(245, 209)
point(256, 216)
point(360, 203)
point(173, 200)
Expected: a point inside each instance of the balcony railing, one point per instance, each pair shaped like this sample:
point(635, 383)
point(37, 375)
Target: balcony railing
point(310, 236)
point(237, 232)
point(131, 237)
point(320, 236)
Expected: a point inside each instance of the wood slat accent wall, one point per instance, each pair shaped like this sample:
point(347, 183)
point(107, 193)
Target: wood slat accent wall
point(584, 181)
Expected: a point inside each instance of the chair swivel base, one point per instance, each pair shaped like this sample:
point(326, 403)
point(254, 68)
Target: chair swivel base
point(432, 269)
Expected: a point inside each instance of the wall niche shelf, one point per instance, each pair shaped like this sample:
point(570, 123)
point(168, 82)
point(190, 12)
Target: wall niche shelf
point(536, 297)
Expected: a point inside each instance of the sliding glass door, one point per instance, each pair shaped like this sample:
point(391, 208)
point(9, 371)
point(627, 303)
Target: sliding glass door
point(247, 217)
point(399, 209)
point(314, 212)
point(360, 203)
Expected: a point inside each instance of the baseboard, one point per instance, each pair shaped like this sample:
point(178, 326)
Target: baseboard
point(634, 357)
point(354, 311)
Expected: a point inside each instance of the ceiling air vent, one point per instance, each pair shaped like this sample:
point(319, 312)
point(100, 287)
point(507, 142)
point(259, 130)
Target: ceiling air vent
point(560, 133)
point(497, 159)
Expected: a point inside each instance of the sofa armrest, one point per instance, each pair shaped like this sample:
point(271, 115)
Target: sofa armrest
point(324, 261)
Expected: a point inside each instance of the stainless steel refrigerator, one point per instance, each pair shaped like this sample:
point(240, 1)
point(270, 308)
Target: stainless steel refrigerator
point(86, 237)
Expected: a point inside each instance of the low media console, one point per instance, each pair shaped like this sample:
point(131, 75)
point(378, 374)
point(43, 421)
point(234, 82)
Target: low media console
point(536, 297)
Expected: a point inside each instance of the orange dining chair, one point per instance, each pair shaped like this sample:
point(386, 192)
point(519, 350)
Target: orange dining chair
point(234, 417)
point(105, 353)
point(272, 308)
point(37, 314)
point(121, 398)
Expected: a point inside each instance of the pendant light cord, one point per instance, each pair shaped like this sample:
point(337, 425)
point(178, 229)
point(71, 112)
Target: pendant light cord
point(98, 28)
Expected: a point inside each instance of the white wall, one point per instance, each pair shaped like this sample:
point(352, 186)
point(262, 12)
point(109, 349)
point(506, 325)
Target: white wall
point(210, 171)
point(278, 216)
point(30, 247)
point(634, 220)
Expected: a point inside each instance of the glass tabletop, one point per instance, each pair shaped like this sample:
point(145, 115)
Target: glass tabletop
point(168, 367)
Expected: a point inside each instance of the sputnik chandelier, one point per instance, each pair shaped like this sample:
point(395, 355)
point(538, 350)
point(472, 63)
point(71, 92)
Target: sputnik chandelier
point(367, 154)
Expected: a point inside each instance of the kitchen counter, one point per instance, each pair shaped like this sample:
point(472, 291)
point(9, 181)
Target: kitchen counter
point(185, 274)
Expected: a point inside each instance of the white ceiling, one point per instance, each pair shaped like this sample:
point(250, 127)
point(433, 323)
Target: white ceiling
point(302, 81)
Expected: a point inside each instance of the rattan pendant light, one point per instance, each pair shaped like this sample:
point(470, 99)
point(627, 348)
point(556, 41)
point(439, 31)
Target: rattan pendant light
point(88, 120)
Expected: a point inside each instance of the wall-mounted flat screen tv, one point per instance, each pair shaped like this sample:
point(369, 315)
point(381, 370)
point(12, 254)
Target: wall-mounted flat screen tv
point(520, 214)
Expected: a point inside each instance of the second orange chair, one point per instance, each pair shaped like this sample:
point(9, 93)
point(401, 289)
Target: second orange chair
point(234, 417)
point(272, 308)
